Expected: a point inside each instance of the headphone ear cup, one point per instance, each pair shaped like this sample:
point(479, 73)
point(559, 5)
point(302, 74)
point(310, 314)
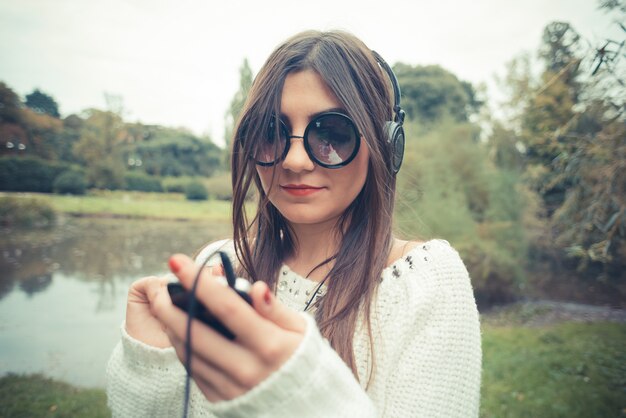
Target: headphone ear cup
point(395, 140)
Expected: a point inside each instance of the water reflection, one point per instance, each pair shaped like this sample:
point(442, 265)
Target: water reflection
point(63, 290)
point(96, 250)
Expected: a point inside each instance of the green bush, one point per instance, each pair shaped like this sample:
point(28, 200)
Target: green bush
point(175, 184)
point(142, 182)
point(449, 188)
point(28, 174)
point(196, 191)
point(220, 187)
point(70, 182)
point(106, 175)
point(25, 212)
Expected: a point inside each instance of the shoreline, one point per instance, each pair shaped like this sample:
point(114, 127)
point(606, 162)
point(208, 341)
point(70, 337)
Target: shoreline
point(122, 204)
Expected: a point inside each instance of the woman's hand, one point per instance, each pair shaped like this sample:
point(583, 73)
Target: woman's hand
point(141, 324)
point(267, 333)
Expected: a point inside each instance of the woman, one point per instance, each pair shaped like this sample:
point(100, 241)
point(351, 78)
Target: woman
point(390, 327)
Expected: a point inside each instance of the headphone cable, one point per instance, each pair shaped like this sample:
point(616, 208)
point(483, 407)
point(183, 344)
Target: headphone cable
point(191, 313)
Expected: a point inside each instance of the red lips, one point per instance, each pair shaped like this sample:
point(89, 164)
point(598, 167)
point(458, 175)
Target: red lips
point(300, 189)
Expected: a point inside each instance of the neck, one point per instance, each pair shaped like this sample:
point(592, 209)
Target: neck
point(316, 243)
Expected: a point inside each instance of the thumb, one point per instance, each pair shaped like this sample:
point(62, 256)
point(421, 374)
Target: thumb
point(270, 308)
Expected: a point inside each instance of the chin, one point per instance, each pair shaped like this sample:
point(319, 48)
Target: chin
point(303, 216)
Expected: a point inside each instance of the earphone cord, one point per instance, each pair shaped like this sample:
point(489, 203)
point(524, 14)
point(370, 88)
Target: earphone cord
point(319, 286)
point(191, 313)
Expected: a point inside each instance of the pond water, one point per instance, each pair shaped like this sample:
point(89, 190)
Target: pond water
point(63, 290)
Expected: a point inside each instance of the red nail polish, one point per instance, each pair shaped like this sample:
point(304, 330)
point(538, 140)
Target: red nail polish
point(220, 270)
point(267, 297)
point(174, 266)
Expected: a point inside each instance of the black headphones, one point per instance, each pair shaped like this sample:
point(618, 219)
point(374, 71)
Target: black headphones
point(394, 129)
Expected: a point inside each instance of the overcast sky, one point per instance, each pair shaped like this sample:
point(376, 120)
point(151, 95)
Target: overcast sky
point(175, 63)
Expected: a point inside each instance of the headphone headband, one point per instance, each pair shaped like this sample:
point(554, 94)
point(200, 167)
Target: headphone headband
point(397, 94)
point(394, 129)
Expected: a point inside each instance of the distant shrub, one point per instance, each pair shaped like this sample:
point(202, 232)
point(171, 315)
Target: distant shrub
point(220, 187)
point(142, 182)
point(25, 212)
point(70, 182)
point(175, 184)
point(106, 175)
point(28, 174)
point(196, 191)
point(175, 188)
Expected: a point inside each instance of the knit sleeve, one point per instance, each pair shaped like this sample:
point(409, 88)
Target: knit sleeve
point(314, 382)
point(144, 381)
point(427, 345)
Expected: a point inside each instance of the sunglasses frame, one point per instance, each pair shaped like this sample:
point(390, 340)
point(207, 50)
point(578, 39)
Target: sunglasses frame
point(307, 146)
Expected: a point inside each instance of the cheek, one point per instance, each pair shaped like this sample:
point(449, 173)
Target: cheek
point(354, 179)
point(361, 167)
point(267, 177)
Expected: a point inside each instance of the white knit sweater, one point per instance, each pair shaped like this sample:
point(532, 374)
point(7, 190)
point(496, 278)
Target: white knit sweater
point(426, 343)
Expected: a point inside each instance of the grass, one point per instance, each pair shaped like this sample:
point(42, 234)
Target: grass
point(566, 370)
point(135, 205)
point(37, 396)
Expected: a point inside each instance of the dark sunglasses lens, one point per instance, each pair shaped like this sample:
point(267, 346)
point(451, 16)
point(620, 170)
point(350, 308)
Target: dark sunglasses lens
point(333, 139)
point(271, 148)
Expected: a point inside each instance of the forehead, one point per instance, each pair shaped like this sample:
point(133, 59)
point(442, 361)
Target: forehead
point(305, 93)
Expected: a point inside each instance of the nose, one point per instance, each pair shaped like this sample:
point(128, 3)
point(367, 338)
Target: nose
point(297, 159)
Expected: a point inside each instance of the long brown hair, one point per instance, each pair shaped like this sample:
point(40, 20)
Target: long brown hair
point(265, 240)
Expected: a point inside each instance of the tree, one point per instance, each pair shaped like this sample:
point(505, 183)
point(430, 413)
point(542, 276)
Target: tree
point(573, 130)
point(620, 5)
point(68, 137)
point(560, 47)
point(236, 104)
point(431, 93)
point(24, 131)
point(591, 221)
point(42, 103)
point(44, 133)
point(10, 105)
point(173, 152)
point(550, 109)
point(99, 148)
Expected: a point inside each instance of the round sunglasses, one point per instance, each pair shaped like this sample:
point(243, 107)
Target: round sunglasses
point(331, 140)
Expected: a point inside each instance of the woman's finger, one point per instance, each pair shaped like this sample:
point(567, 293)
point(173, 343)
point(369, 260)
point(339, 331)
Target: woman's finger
point(230, 358)
point(261, 345)
point(176, 320)
point(211, 381)
point(209, 391)
point(268, 306)
point(138, 291)
point(140, 321)
point(229, 308)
